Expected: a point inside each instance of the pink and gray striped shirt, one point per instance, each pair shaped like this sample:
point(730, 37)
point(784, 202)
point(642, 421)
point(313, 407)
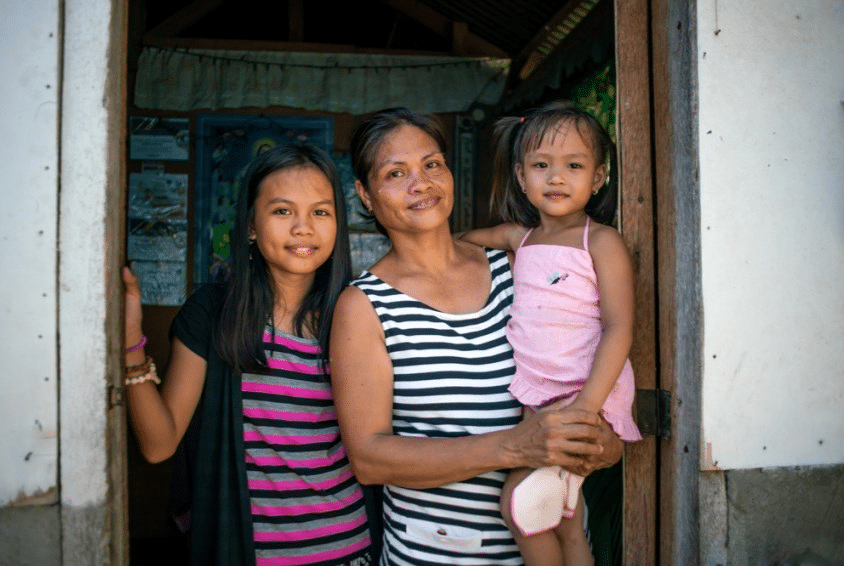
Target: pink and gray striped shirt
point(307, 507)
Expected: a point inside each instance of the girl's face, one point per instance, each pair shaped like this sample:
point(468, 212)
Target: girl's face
point(295, 222)
point(410, 186)
point(560, 175)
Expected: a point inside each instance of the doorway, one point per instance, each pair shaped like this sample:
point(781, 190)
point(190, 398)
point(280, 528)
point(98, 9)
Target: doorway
point(414, 27)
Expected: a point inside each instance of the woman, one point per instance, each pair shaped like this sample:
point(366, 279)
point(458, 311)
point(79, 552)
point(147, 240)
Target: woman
point(421, 366)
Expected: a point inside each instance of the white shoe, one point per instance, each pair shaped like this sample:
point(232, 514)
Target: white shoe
point(543, 498)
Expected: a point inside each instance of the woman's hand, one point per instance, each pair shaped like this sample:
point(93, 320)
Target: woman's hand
point(579, 441)
point(132, 308)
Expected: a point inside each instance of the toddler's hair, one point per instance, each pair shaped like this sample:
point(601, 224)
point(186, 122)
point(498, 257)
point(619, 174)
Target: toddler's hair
point(514, 137)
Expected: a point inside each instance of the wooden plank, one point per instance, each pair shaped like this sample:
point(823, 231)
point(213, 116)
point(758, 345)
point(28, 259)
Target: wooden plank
point(185, 18)
point(637, 226)
point(115, 228)
point(668, 311)
point(296, 20)
point(281, 46)
point(677, 246)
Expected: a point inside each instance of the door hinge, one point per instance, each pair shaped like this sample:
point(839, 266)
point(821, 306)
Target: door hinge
point(653, 412)
point(115, 395)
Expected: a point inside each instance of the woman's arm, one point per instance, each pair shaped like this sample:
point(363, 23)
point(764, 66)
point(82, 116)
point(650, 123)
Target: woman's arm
point(160, 418)
point(362, 380)
point(500, 237)
point(615, 290)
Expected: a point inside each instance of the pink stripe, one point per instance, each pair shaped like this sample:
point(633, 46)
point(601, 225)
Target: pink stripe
point(274, 536)
point(250, 435)
point(312, 463)
point(275, 363)
point(285, 391)
point(269, 485)
point(289, 416)
point(292, 344)
point(293, 510)
point(311, 558)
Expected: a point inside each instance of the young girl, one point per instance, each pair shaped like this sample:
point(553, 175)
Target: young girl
point(572, 316)
point(271, 480)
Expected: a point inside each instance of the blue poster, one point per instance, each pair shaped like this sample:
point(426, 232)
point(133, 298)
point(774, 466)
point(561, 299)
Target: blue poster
point(225, 145)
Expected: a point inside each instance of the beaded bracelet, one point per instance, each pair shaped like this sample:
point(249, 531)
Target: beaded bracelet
point(149, 373)
point(137, 346)
point(142, 367)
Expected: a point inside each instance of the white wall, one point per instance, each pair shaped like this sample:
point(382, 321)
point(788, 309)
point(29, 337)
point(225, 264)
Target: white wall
point(29, 50)
point(84, 254)
point(771, 133)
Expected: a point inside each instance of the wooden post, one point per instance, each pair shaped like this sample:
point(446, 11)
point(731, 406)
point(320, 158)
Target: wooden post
point(637, 227)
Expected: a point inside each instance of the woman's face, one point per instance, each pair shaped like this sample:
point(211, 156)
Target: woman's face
point(410, 186)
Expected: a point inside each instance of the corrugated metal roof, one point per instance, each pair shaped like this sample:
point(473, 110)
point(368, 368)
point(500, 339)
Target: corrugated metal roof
point(507, 24)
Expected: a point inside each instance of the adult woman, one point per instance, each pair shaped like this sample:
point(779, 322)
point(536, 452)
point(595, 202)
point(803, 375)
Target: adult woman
point(420, 365)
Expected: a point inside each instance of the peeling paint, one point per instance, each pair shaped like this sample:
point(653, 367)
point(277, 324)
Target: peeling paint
point(39, 497)
point(707, 463)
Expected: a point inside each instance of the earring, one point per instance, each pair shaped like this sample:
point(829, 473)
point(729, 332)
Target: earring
point(595, 192)
point(251, 243)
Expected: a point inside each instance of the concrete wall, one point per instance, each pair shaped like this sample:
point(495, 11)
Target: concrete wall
point(29, 117)
point(771, 138)
point(61, 96)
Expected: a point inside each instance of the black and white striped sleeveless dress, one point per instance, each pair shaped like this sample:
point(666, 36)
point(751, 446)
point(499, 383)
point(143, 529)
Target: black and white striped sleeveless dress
point(451, 374)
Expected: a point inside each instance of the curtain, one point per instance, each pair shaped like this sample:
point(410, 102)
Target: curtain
point(183, 79)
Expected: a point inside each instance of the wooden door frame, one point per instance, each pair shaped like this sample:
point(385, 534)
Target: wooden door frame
point(660, 220)
point(677, 189)
point(117, 435)
point(636, 223)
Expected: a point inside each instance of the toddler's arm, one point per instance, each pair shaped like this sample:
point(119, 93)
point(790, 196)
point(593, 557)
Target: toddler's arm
point(501, 237)
point(615, 290)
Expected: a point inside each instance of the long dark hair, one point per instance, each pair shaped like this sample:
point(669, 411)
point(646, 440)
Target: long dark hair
point(249, 299)
point(369, 134)
point(514, 137)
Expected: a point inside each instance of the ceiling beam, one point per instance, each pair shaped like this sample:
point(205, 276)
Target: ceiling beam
point(264, 45)
point(463, 42)
point(548, 39)
point(184, 18)
point(296, 20)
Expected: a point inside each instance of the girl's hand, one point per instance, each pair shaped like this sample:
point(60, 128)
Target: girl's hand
point(132, 308)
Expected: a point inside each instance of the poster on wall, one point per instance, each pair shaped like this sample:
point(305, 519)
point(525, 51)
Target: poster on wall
point(158, 139)
point(157, 234)
point(359, 221)
point(225, 145)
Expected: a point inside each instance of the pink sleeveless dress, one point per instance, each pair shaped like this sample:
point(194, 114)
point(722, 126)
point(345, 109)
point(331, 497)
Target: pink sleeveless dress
point(555, 327)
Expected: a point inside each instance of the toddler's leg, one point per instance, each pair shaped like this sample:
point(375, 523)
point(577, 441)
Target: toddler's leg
point(542, 549)
point(573, 538)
